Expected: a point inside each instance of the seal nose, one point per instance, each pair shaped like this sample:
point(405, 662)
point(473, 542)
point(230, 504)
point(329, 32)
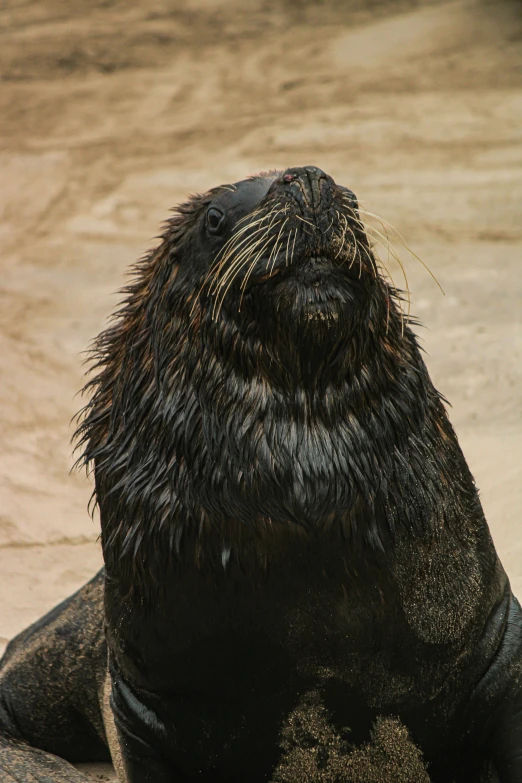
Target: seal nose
point(311, 181)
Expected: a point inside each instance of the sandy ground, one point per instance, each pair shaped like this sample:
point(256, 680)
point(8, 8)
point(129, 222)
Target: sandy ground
point(110, 112)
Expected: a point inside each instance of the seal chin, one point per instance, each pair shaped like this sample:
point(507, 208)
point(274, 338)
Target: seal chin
point(317, 271)
point(316, 290)
point(321, 311)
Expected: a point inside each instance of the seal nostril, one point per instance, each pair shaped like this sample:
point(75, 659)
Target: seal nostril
point(289, 177)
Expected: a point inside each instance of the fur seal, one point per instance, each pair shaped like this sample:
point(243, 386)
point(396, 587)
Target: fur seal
point(299, 582)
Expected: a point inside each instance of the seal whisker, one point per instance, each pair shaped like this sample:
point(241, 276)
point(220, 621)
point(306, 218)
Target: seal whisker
point(246, 279)
point(374, 267)
point(390, 276)
point(330, 226)
point(245, 243)
point(275, 207)
point(293, 247)
point(232, 245)
point(378, 237)
point(239, 261)
point(358, 247)
point(385, 242)
point(248, 216)
point(249, 248)
point(264, 229)
point(288, 246)
point(251, 268)
point(277, 247)
point(218, 263)
point(219, 302)
point(277, 251)
point(403, 242)
point(347, 227)
point(214, 271)
point(302, 219)
point(232, 242)
point(357, 244)
point(244, 283)
point(343, 234)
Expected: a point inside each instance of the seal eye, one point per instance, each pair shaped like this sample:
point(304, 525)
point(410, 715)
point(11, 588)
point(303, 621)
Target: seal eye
point(215, 218)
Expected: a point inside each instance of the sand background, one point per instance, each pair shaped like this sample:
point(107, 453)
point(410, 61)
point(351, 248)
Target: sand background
point(110, 112)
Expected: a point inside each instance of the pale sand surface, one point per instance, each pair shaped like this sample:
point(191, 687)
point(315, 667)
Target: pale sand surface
point(111, 112)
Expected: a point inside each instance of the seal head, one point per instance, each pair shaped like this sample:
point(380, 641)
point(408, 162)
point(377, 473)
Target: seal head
point(292, 264)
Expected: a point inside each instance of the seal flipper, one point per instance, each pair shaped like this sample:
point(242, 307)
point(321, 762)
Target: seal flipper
point(137, 732)
point(506, 741)
point(494, 711)
point(51, 682)
point(20, 763)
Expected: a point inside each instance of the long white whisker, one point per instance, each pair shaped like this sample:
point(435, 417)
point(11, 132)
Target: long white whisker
point(238, 263)
point(219, 300)
point(245, 244)
point(238, 260)
point(249, 248)
point(405, 245)
point(392, 282)
point(343, 238)
point(218, 264)
point(275, 254)
point(293, 247)
point(306, 221)
point(288, 246)
point(385, 243)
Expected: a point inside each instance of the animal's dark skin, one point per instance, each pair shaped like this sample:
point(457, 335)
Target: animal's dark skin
point(300, 584)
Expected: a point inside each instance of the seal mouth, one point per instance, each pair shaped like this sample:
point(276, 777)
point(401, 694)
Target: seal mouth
point(313, 272)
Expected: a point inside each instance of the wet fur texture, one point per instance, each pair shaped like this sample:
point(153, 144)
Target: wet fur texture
point(299, 582)
point(174, 424)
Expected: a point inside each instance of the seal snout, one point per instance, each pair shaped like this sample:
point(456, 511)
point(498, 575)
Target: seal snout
point(289, 231)
point(309, 186)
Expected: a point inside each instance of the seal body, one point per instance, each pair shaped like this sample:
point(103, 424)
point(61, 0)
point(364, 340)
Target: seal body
point(299, 583)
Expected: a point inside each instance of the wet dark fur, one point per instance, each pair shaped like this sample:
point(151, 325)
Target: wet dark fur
point(299, 577)
point(173, 424)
